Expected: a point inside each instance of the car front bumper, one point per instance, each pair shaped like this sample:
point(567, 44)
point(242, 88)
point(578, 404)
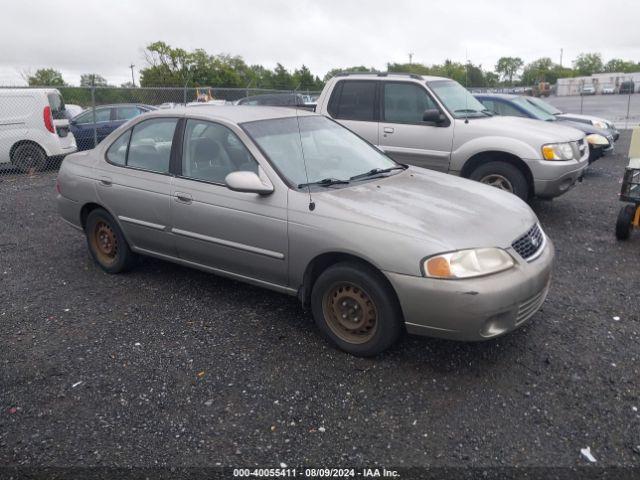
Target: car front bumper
point(475, 309)
point(555, 178)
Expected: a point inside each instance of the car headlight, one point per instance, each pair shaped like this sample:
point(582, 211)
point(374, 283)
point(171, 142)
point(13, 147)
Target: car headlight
point(597, 139)
point(599, 124)
point(467, 263)
point(557, 151)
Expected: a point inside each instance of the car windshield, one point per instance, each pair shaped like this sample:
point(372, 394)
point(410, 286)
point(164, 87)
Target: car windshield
point(547, 107)
point(532, 109)
point(329, 150)
point(457, 99)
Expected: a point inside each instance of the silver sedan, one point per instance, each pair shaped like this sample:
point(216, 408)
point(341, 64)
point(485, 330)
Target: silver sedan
point(294, 202)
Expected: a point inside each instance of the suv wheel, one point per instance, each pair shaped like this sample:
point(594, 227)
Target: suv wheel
point(504, 176)
point(107, 244)
point(29, 158)
point(356, 309)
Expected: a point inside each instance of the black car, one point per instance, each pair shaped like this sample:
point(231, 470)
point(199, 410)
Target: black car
point(600, 141)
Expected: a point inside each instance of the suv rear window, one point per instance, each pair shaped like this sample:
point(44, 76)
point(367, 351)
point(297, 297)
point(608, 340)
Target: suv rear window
point(353, 100)
point(57, 106)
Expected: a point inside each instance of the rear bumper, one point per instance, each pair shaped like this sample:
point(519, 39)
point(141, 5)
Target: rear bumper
point(474, 309)
point(69, 210)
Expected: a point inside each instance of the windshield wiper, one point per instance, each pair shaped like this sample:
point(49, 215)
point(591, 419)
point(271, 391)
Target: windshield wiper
point(325, 182)
point(487, 112)
point(467, 110)
point(377, 171)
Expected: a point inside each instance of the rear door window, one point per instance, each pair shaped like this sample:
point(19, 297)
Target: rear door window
point(57, 106)
point(117, 153)
point(503, 108)
point(150, 145)
point(127, 113)
point(354, 100)
point(102, 115)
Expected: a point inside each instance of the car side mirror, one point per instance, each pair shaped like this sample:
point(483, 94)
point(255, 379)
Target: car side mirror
point(248, 182)
point(73, 122)
point(433, 115)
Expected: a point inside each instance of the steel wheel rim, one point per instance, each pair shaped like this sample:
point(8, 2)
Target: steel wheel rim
point(350, 313)
point(104, 243)
point(497, 181)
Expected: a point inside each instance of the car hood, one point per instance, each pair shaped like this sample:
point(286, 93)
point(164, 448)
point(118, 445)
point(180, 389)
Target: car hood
point(579, 117)
point(544, 132)
point(444, 211)
point(587, 128)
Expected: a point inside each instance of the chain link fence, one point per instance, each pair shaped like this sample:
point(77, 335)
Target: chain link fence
point(39, 126)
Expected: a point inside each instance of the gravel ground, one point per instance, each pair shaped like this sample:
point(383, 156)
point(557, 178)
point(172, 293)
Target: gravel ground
point(171, 366)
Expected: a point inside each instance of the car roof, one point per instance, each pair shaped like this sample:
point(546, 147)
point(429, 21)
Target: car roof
point(504, 96)
point(113, 105)
point(235, 113)
point(386, 76)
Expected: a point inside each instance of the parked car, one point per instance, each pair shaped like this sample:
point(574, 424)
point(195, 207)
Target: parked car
point(600, 141)
point(436, 123)
point(576, 117)
point(107, 119)
point(72, 110)
point(33, 127)
point(627, 87)
point(588, 90)
point(273, 99)
point(294, 202)
point(608, 90)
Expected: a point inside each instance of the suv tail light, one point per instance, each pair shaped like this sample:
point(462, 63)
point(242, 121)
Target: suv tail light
point(48, 119)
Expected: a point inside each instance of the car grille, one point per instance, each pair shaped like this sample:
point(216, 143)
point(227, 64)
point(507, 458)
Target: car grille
point(529, 244)
point(530, 306)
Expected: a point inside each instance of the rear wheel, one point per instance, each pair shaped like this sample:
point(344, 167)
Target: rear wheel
point(624, 222)
point(107, 244)
point(29, 158)
point(504, 176)
point(356, 309)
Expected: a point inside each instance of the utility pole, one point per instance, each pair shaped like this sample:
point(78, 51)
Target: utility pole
point(561, 57)
point(410, 57)
point(133, 80)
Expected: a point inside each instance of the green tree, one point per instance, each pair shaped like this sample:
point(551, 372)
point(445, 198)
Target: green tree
point(588, 63)
point(491, 79)
point(355, 69)
point(619, 65)
point(539, 70)
point(417, 68)
point(88, 79)
point(508, 67)
point(46, 77)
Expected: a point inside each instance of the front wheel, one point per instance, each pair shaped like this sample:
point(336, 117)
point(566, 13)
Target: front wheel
point(107, 244)
point(356, 309)
point(624, 222)
point(504, 176)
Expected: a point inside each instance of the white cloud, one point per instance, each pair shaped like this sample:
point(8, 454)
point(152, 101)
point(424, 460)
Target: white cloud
point(105, 37)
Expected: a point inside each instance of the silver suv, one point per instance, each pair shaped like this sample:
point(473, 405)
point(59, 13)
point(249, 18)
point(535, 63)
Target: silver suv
point(436, 123)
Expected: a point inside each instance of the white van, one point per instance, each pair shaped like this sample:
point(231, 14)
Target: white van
point(33, 127)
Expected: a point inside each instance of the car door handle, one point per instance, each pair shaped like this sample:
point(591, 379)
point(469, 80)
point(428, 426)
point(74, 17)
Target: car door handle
point(106, 181)
point(184, 197)
point(388, 130)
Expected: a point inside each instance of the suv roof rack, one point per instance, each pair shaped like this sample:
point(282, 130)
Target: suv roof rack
point(379, 74)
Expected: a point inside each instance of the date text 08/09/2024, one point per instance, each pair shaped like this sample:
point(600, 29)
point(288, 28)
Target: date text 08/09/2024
point(315, 473)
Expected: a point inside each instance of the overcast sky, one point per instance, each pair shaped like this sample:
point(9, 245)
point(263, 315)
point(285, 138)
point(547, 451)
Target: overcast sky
point(104, 37)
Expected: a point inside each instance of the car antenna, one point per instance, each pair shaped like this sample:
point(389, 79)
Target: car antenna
point(466, 85)
point(312, 205)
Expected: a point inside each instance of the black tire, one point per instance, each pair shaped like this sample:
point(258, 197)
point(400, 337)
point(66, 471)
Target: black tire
point(501, 172)
point(369, 295)
point(29, 157)
point(107, 244)
point(623, 224)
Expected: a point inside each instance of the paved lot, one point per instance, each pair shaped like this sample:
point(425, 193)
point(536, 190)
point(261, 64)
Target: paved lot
point(611, 107)
point(169, 366)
